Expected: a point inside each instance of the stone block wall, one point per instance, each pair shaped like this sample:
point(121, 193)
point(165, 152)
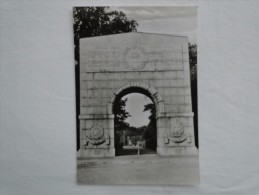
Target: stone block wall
point(107, 63)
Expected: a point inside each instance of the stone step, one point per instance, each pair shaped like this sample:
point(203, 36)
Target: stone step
point(133, 160)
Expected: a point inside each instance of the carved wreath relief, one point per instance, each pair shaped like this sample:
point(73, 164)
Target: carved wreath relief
point(97, 137)
point(136, 58)
point(176, 135)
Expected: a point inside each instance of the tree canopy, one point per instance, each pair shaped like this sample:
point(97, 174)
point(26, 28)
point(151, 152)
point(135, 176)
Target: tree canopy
point(96, 21)
point(120, 115)
point(150, 132)
point(193, 60)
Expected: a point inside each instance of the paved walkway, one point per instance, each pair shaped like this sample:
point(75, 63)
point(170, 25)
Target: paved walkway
point(139, 169)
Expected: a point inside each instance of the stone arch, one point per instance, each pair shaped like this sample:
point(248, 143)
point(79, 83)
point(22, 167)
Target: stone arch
point(141, 87)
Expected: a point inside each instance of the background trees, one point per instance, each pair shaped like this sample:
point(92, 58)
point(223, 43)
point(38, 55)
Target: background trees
point(120, 114)
point(150, 132)
point(119, 121)
point(96, 21)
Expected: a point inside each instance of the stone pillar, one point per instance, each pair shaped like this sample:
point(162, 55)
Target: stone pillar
point(96, 136)
point(175, 134)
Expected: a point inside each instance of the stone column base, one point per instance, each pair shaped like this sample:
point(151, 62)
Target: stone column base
point(179, 150)
point(96, 152)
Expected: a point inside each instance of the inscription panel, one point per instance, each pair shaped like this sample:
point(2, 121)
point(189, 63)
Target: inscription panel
point(131, 55)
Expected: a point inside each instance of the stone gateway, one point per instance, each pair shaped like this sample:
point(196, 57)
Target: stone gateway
point(155, 65)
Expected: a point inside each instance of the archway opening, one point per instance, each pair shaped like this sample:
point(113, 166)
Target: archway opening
point(135, 127)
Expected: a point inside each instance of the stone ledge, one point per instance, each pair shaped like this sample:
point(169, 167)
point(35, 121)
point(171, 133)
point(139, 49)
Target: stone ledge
point(96, 116)
point(171, 115)
point(98, 153)
point(174, 151)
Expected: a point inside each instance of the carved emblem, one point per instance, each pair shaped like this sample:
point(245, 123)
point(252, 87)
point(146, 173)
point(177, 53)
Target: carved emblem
point(97, 137)
point(176, 134)
point(96, 132)
point(136, 58)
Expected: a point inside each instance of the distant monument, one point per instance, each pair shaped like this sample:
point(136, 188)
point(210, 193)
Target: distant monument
point(155, 65)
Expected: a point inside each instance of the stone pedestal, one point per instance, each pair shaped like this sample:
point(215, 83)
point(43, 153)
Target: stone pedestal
point(175, 134)
point(96, 136)
point(177, 150)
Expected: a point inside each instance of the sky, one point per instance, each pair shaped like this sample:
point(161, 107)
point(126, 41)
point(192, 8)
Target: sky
point(135, 106)
point(164, 20)
point(173, 20)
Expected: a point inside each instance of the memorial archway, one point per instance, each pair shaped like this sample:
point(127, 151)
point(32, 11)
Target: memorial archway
point(152, 64)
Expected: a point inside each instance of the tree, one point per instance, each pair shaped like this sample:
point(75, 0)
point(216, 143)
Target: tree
point(193, 60)
point(150, 133)
point(120, 115)
point(151, 107)
point(119, 121)
point(96, 21)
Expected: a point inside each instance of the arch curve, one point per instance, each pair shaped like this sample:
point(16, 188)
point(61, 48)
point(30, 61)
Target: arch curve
point(144, 88)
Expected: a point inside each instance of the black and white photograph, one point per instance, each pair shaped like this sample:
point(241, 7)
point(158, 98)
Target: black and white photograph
point(129, 97)
point(136, 95)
